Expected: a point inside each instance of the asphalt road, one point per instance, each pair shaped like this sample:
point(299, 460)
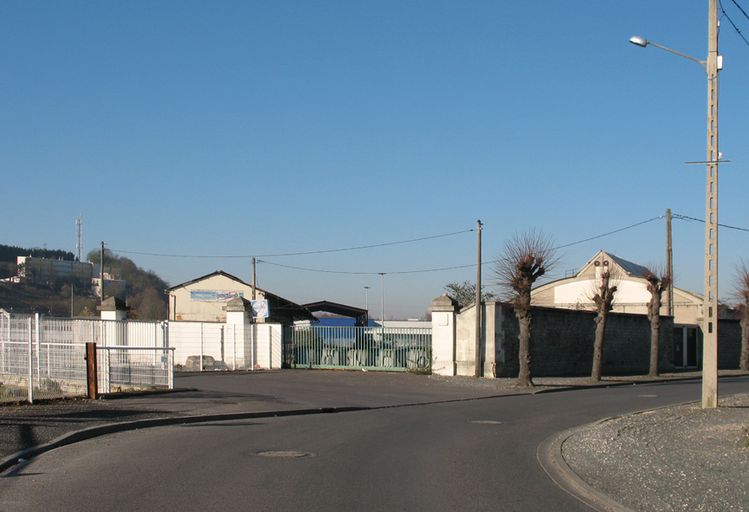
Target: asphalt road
point(465, 455)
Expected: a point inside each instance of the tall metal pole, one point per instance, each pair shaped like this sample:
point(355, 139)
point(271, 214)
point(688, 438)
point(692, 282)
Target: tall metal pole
point(477, 370)
point(710, 299)
point(254, 277)
point(669, 264)
point(101, 273)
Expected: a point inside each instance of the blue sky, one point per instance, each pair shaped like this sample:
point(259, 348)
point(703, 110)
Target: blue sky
point(240, 128)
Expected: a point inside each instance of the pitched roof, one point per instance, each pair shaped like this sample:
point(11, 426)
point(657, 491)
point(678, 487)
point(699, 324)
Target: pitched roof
point(630, 268)
point(281, 303)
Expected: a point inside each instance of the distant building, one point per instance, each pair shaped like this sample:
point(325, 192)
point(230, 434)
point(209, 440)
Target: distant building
point(49, 271)
point(204, 299)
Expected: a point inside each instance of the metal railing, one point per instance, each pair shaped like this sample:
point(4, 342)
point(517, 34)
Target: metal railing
point(44, 358)
point(375, 348)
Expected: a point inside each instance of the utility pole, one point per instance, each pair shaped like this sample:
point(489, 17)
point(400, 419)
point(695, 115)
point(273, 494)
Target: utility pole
point(669, 264)
point(101, 274)
point(477, 371)
point(254, 277)
point(710, 299)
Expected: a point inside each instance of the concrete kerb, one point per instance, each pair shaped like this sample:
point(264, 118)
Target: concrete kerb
point(549, 456)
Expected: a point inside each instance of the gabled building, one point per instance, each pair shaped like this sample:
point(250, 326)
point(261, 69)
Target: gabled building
point(632, 296)
point(204, 299)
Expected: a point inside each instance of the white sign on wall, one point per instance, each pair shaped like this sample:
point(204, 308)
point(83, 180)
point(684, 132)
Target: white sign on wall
point(260, 308)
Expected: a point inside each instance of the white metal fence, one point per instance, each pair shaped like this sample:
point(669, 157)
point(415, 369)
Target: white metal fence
point(42, 358)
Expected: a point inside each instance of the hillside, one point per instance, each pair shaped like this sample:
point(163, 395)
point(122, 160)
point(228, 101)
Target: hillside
point(25, 298)
point(144, 291)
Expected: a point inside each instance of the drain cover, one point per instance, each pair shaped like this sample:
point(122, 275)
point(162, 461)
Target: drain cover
point(289, 454)
point(486, 422)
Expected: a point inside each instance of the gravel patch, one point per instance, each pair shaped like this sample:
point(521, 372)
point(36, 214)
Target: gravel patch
point(674, 458)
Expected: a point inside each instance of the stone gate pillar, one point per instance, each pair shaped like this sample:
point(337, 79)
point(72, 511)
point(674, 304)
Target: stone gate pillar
point(443, 335)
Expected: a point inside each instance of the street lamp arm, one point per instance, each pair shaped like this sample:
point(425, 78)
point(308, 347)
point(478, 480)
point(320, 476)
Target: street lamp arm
point(639, 41)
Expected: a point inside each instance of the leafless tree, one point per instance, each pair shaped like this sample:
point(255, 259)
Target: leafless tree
point(658, 282)
point(465, 293)
point(742, 294)
point(526, 257)
point(605, 289)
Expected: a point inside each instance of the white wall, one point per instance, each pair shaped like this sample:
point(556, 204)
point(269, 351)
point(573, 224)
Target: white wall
point(245, 346)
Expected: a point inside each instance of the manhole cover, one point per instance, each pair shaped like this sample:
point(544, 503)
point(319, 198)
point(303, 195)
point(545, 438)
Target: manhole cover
point(486, 422)
point(289, 454)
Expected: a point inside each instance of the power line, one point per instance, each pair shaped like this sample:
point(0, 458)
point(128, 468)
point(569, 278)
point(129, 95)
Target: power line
point(609, 233)
point(299, 253)
point(454, 267)
point(740, 9)
point(347, 272)
point(687, 217)
point(738, 31)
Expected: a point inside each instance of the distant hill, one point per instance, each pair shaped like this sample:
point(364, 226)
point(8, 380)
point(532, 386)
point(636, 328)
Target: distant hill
point(10, 252)
point(144, 291)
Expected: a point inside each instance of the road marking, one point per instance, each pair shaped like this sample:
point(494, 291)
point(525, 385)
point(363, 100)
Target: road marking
point(486, 422)
point(648, 396)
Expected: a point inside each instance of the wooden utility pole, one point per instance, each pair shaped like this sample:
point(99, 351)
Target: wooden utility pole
point(710, 299)
point(669, 265)
point(91, 371)
point(477, 302)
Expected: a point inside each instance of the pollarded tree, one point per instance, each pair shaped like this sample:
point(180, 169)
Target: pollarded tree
point(742, 293)
point(526, 257)
point(657, 284)
point(604, 301)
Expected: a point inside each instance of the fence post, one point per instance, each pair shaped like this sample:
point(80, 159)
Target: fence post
point(92, 379)
point(170, 368)
point(37, 331)
point(201, 346)
point(234, 336)
point(30, 376)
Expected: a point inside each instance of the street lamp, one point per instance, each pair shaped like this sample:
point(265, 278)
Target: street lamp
point(712, 65)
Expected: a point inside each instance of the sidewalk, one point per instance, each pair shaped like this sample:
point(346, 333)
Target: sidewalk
point(26, 430)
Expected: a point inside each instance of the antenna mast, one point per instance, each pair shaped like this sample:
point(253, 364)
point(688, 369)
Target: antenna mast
point(79, 236)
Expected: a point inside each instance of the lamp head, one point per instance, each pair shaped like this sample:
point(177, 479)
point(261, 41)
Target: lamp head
point(638, 41)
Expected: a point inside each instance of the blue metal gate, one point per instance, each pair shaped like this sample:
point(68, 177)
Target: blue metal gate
point(371, 348)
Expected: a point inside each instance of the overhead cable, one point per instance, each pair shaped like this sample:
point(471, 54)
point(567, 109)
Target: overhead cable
point(299, 253)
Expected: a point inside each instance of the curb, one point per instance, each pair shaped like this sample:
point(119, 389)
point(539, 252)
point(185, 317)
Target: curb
point(549, 456)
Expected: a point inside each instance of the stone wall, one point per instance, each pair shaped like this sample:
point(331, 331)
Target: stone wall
point(562, 343)
point(729, 344)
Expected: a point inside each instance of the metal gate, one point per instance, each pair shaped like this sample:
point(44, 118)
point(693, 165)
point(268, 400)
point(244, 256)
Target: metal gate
point(371, 348)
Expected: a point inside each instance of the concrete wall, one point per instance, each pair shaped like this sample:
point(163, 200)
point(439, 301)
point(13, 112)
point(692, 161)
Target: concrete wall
point(237, 346)
point(561, 342)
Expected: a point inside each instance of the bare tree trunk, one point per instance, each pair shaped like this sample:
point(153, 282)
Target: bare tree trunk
point(595, 374)
point(524, 350)
point(655, 329)
point(744, 359)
